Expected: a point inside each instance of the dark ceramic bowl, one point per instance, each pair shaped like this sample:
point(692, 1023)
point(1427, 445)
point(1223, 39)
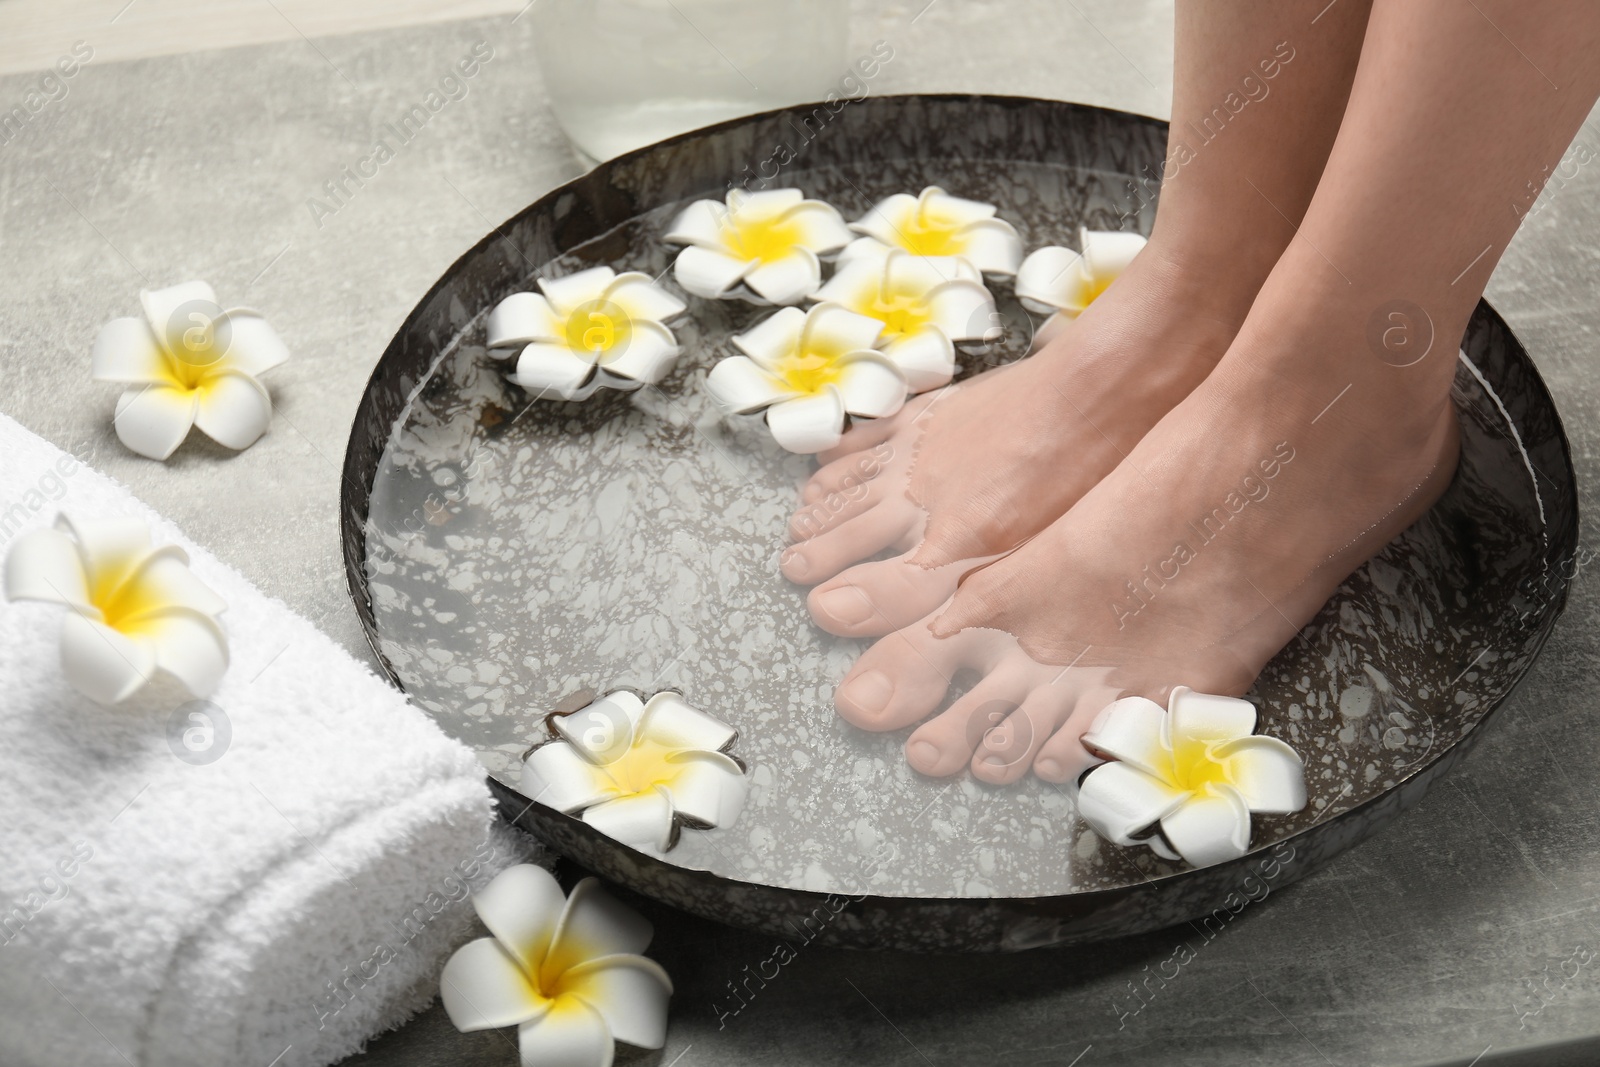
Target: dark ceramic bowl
point(506, 555)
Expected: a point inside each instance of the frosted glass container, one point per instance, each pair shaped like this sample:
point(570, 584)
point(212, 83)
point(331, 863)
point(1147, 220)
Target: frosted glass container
point(624, 73)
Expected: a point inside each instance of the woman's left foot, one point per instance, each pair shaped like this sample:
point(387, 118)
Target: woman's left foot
point(1192, 563)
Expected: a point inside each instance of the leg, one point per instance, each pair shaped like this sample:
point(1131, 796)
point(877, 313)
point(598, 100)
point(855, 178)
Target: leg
point(1307, 449)
point(973, 471)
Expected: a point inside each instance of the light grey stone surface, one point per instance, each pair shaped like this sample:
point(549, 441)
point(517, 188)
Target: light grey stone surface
point(1438, 939)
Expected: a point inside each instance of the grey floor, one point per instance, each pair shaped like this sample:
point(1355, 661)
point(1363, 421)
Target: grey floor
point(1442, 939)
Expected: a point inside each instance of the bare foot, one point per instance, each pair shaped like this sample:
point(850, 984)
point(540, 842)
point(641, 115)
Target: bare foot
point(1193, 562)
point(965, 474)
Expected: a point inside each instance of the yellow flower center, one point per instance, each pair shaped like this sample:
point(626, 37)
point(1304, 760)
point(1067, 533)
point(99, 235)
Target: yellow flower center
point(598, 327)
point(899, 313)
point(765, 238)
point(642, 767)
point(117, 598)
point(1195, 768)
point(928, 233)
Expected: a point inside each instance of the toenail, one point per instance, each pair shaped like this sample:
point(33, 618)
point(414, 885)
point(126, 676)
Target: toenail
point(849, 605)
point(869, 692)
point(922, 754)
point(996, 761)
point(1048, 768)
point(793, 563)
point(812, 493)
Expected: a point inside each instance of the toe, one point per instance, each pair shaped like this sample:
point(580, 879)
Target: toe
point(945, 744)
point(811, 520)
point(855, 539)
point(903, 678)
point(1006, 752)
point(1062, 757)
point(874, 598)
point(867, 433)
point(849, 474)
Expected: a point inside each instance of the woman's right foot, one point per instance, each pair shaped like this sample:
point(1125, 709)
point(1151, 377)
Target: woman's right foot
point(964, 475)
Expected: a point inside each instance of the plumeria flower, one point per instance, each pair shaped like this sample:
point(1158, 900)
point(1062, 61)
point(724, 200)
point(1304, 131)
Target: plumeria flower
point(590, 330)
point(938, 224)
point(187, 363)
point(924, 303)
point(637, 770)
point(566, 971)
point(135, 608)
point(1059, 280)
point(1195, 772)
point(762, 247)
point(810, 371)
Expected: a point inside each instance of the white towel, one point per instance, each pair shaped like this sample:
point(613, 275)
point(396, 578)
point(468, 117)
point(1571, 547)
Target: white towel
point(279, 905)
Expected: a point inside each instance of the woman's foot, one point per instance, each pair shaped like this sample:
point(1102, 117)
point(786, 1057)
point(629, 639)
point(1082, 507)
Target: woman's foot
point(965, 474)
point(1193, 563)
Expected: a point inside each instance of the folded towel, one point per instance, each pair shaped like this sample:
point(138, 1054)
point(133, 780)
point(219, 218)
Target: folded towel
point(279, 904)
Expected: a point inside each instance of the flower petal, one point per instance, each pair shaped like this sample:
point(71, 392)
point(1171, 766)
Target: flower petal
point(187, 645)
point(947, 210)
point(161, 580)
point(765, 204)
point(483, 988)
point(834, 330)
point(556, 775)
point(709, 787)
point(1053, 277)
point(126, 351)
point(1131, 729)
point(630, 993)
point(964, 310)
point(102, 664)
point(595, 924)
point(853, 285)
point(773, 339)
point(701, 223)
point(671, 722)
point(1266, 772)
point(566, 293)
point(552, 370)
point(571, 1034)
point(521, 907)
point(112, 549)
point(153, 420)
point(820, 226)
point(709, 272)
point(888, 219)
point(926, 358)
point(1107, 253)
point(1203, 718)
point(637, 294)
point(232, 409)
point(808, 424)
point(788, 279)
point(521, 319)
point(863, 251)
point(871, 386)
point(45, 565)
point(161, 304)
point(1209, 829)
point(601, 730)
point(646, 356)
point(739, 386)
point(906, 273)
point(642, 820)
point(1118, 800)
point(992, 246)
point(254, 347)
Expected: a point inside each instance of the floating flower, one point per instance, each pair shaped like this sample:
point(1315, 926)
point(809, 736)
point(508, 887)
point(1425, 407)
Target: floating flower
point(924, 303)
point(637, 770)
point(566, 971)
point(757, 246)
point(188, 363)
point(938, 224)
point(1196, 771)
point(136, 609)
point(810, 371)
point(1063, 281)
point(590, 330)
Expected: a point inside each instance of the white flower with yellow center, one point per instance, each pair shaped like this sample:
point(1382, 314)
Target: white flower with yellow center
point(810, 371)
point(925, 304)
point(1194, 773)
point(566, 971)
point(763, 247)
point(590, 330)
point(135, 608)
point(938, 224)
point(636, 771)
point(188, 363)
point(1059, 280)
